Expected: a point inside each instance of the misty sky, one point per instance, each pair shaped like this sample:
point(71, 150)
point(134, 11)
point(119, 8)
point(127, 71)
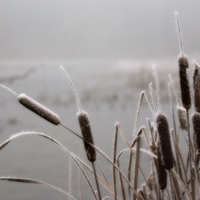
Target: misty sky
point(96, 29)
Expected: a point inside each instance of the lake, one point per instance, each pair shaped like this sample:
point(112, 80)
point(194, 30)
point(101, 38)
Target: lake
point(109, 91)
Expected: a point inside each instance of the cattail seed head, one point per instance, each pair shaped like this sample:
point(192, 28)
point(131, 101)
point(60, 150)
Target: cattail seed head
point(38, 109)
point(184, 82)
point(87, 135)
point(196, 85)
point(161, 172)
point(196, 130)
point(182, 115)
point(165, 142)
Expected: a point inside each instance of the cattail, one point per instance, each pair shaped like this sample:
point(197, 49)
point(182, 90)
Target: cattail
point(196, 130)
point(38, 109)
point(182, 115)
point(83, 122)
point(161, 172)
point(86, 130)
point(87, 135)
point(196, 85)
point(184, 82)
point(183, 67)
point(165, 142)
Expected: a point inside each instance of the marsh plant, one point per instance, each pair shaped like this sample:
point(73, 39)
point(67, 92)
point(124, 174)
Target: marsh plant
point(173, 174)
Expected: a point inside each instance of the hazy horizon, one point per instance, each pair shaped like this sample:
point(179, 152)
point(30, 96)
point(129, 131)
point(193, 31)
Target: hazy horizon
point(103, 30)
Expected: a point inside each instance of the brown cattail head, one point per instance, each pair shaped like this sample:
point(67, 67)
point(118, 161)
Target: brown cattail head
point(87, 135)
point(38, 109)
point(182, 115)
point(184, 82)
point(196, 85)
point(196, 130)
point(165, 142)
point(161, 172)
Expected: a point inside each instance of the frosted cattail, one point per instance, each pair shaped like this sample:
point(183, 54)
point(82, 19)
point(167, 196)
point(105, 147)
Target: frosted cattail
point(196, 85)
point(161, 172)
point(165, 142)
point(38, 109)
point(183, 67)
point(87, 135)
point(182, 115)
point(196, 130)
point(184, 82)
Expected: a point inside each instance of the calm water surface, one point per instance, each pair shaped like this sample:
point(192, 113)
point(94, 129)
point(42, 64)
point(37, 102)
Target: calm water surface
point(107, 96)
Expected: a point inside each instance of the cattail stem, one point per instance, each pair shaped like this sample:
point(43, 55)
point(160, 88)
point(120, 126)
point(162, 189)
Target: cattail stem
point(179, 32)
point(173, 196)
point(121, 182)
point(96, 180)
point(190, 150)
point(72, 88)
point(114, 160)
point(137, 160)
point(8, 89)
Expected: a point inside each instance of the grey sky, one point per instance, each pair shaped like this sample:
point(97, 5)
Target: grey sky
point(96, 29)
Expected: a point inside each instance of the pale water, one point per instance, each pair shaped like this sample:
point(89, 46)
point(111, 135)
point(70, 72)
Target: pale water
point(109, 92)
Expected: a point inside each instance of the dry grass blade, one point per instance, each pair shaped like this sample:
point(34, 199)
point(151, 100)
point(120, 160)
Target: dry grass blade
point(138, 112)
point(17, 135)
point(182, 184)
point(131, 156)
point(37, 182)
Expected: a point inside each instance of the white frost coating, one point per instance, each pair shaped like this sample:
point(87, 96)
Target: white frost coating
point(38, 109)
point(179, 33)
point(82, 113)
point(72, 88)
point(7, 88)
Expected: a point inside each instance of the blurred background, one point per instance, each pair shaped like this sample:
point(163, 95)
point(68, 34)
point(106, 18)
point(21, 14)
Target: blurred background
point(108, 48)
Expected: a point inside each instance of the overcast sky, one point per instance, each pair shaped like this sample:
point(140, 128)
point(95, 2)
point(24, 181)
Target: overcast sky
point(96, 29)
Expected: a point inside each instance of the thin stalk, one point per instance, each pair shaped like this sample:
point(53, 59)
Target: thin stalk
point(121, 182)
point(190, 152)
point(137, 159)
point(131, 157)
point(183, 185)
point(176, 186)
point(96, 180)
point(102, 171)
point(173, 196)
point(114, 161)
